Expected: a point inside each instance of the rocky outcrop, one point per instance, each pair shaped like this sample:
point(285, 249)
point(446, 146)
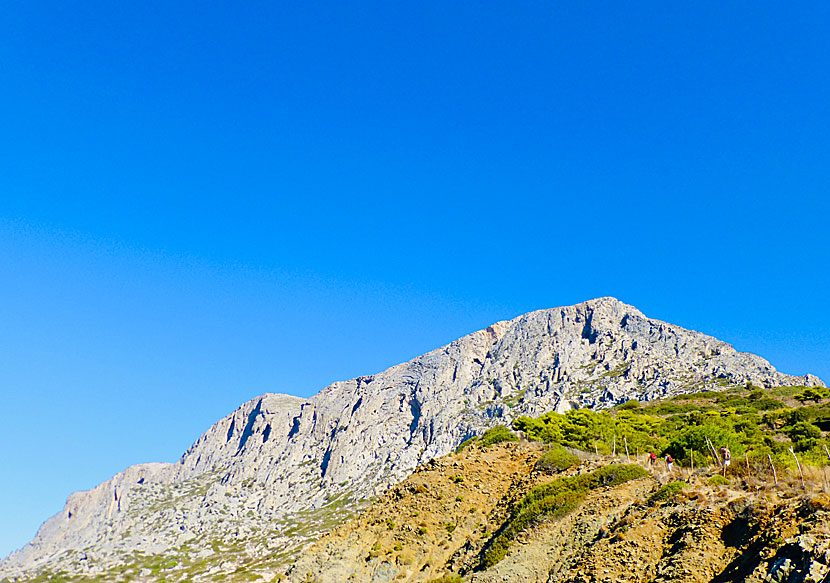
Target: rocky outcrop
point(278, 459)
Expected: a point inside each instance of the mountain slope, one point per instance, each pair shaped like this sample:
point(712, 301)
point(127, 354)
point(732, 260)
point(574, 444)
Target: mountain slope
point(536, 511)
point(431, 527)
point(281, 469)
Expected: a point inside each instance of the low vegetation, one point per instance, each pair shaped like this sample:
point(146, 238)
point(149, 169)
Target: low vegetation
point(756, 425)
point(497, 434)
point(556, 460)
point(551, 501)
point(666, 493)
point(718, 480)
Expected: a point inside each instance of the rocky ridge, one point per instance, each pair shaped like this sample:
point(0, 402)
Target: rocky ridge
point(281, 469)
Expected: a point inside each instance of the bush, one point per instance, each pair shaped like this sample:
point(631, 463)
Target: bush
point(814, 394)
point(767, 404)
point(556, 460)
point(497, 434)
point(699, 395)
point(670, 408)
point(466, 443)
point(614, 475)
point(694, 438)
point(666, 493)
point(804, 435)
point(584, 429)
point(551, 501)
point(718, 480)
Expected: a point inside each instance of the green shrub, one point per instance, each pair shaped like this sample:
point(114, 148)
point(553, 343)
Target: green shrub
point(694, 438)
point(447, 579)
point(814, 394)
point(671, 408)
point(556, 460)
point(497, 434)
point(803, 430)
point(700, 395)
point(552, 501)
point(585, 429)
point(666, 493)
point(794, 416)
point(718, 480)
point(466, 443)
point(614, 475)
point(767, 404)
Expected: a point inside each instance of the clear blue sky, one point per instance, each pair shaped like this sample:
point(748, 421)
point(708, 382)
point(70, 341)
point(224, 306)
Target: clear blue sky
point(202, 202)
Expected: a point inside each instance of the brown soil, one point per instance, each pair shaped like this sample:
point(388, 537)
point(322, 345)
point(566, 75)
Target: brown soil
point(436, 523)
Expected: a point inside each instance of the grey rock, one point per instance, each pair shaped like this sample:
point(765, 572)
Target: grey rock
point(280, 461)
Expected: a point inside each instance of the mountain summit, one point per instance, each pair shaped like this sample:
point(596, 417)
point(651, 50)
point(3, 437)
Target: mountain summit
point(281, 469)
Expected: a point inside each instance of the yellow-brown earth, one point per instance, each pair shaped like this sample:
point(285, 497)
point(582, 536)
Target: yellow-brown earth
point(434, 525)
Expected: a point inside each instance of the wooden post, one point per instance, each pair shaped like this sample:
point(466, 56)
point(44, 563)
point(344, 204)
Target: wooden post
point(692, 460)
point(627, 457)
point(798, 465)
point(596, 451)
point(746, 455)
point(774, 476)
point(715, 455)
point(614, 447)
point(825, 468)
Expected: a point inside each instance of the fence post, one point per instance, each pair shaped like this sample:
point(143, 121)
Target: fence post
point(774, 476)
point(798, 465)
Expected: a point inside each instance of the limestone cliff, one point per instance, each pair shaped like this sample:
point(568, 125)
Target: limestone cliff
point(281, 469)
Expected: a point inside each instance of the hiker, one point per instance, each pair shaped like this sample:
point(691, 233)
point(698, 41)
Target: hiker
point(727, 456)
point(652, 459)
point(669, 462)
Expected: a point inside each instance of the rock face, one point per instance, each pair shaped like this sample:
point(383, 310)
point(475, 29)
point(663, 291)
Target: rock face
point(259, 475)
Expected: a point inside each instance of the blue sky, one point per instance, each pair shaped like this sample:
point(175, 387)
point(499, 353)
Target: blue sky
point(202, 202)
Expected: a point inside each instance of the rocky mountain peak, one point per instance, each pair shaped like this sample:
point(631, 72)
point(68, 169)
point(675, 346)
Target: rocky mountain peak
point(278, 459)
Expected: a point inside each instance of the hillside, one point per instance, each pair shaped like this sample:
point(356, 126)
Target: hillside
point(442, 523)
point(278, 472)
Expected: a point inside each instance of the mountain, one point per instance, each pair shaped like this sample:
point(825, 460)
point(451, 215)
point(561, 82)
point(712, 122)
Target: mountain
point(280, 470)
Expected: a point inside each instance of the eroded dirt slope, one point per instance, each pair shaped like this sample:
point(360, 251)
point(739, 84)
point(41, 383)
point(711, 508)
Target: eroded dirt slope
point(436, 524)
